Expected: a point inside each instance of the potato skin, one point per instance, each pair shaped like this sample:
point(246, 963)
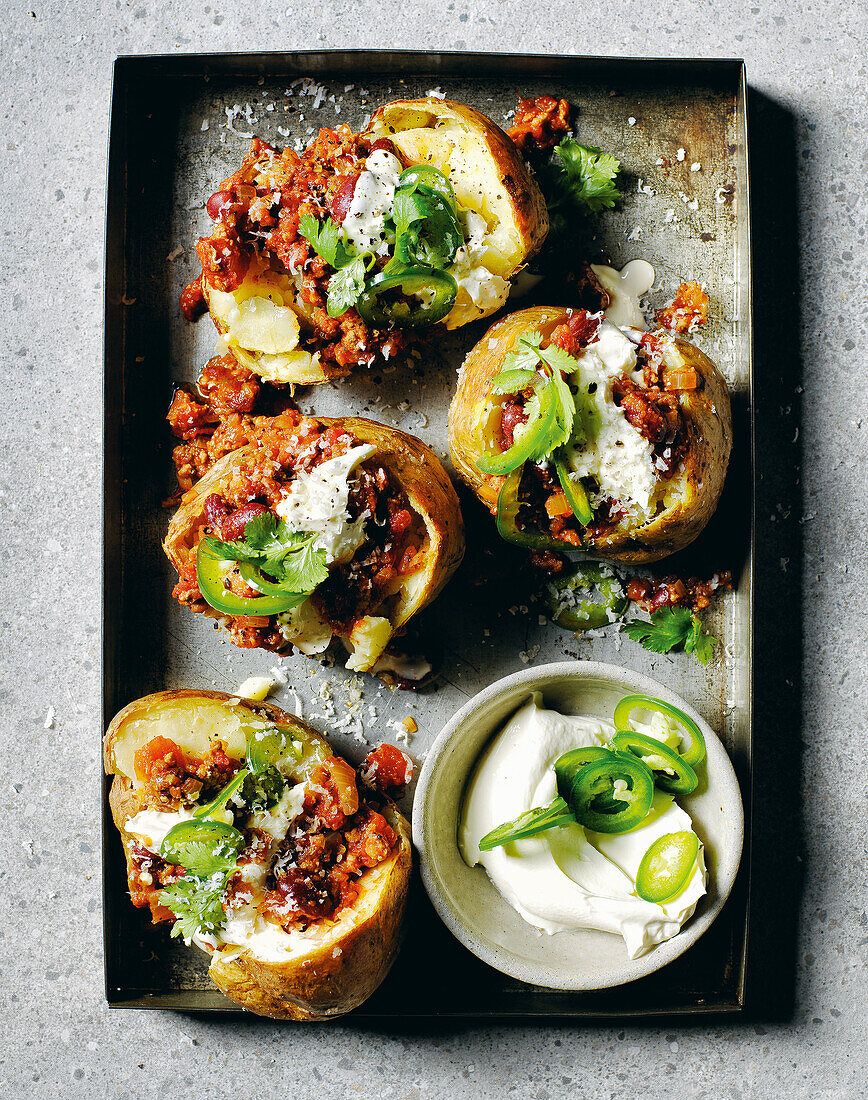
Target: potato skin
point(345, 968)
point(351, 956)
point(706, 412)
point(415, 468)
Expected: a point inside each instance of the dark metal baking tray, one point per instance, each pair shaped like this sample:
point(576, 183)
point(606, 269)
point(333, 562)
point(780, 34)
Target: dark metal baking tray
point(175, 127)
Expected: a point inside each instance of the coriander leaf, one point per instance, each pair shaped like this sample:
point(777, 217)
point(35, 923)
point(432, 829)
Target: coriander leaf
point(272, 539)
point(327, 240)
point(668, 628)
point(345, 286)
point(286, 556)
point(526, 354)
point(588, 175)
point(700, 643)
point(565, 411)
point(409, 207)
point(230, 551)
point(260, 533)
point(197, 903)
point(704, 648)
point(558, 359)
point(532, 410)
point(323, 239)
point(517, 364)
point(304, 569)
point(200, 857)
point(671, 627)
point(426, 227)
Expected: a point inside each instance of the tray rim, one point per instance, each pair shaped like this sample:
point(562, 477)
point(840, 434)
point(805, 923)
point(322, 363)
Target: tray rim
point(125, 69)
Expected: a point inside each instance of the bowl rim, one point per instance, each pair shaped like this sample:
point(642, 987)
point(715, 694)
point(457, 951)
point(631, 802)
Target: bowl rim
point(537, 678)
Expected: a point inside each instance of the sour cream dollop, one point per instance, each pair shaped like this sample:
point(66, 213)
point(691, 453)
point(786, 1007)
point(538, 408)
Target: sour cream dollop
point(570, 878)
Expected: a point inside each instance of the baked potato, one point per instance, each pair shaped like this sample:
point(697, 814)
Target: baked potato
point(371, 507)
point(324, 261)
point(635, 473)
point(489, 178)
point(296, 873)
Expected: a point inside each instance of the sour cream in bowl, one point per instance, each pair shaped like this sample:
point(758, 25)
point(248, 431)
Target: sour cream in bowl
point(560, 909)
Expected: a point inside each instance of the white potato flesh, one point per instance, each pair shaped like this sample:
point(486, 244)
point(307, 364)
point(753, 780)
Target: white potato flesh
point(369, 637)
point(256, 323)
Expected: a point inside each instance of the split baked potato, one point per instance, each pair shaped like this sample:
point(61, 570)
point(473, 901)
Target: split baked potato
point(649, 445)
point(268, 280)
point(285, 942)
point(391, 527)
point(489, 178)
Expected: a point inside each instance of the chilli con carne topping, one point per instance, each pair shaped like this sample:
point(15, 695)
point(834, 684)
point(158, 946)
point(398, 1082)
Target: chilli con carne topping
point(687, 310)
point(282, 447)
point(539, 505)
point(293, 880)
point(540, 123)
point(654, 593)
point(281, 213)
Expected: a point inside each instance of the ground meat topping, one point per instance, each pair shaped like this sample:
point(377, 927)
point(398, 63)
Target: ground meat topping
point(148, 874)
point(257, 213)
point(578, 332)
point(188, 418)
point(227, 386)
point(539, 123)
point(687, 310)
point(280, 447)
point(310, 874)
point(192, 302)
point(316, 871)
point(171, 778)
point(651, 594)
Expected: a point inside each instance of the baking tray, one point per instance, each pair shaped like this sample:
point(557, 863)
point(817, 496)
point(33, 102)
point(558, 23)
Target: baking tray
point(177, 127)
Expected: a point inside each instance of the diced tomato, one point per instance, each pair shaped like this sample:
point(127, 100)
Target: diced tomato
point(388, 770)
point(156, 755)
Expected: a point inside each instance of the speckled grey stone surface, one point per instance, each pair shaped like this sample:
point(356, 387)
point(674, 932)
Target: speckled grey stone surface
point(809, 925)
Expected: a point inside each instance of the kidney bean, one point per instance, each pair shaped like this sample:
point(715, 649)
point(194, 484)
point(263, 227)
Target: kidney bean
point(384, 143)
point(510, 418)
point(232, 526)
point(342, 199)
point(220, 201)
point(216, 509)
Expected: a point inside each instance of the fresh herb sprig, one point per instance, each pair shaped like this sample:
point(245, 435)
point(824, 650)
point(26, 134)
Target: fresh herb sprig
point(288, 557)
point(672, 628)
point(578, 180)
point(426, 230)
point(588, 175)
point(543, 369)
point(197, 902)
point(328, 240)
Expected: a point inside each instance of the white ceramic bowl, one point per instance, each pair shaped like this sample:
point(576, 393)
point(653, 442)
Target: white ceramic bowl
point(464, 897)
